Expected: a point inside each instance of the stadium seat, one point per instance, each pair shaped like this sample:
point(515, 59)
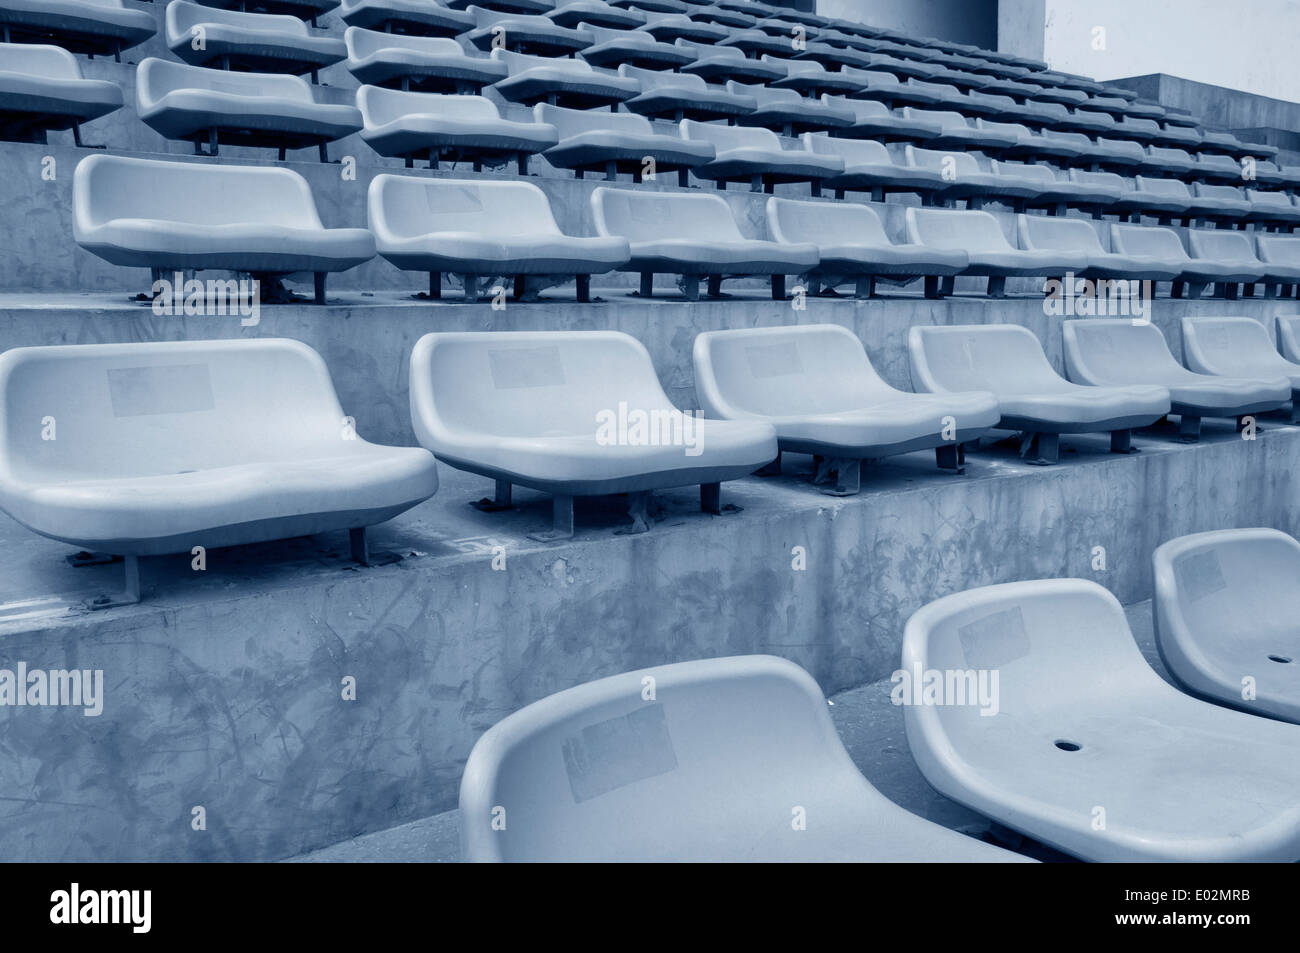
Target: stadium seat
point(525, 7)
point(1029, 145)
point(571, 83)
point(200, 105)
point(1087, 731)
point(787, 113)
point(1272, 208)
point(815, 385)
point(979, 234)
point(531, 408)
point(1007, 360)
point(256, 42)
point(613, 48)
point(1221, 203)
point(42, 89)
point(754, 43)
point(523, 33)
point(873, 120)
point(166, 446)
point(432, 64)
point(1280, 251)
point(754, 155)
point(416, 17)
point(852, 245)
point(709, 771)
point(97, 27)
point(1217, 168)
point(718, 64)
point(1235, 250)
point(812, 79)
point(613, 143)
point(671, 27)
point(958, 133)
point(1288, 337)
point(1166, 200)
point(481, 229)
point(961, 178)
point(308, 10)
point(868, 167)
point(1071, 235)
point(571, 13)
point(1175, 162)
point(694, 236)
point(1057, 194)
point(146, 213)
point(889, 89)
point(1163, 243)
point(1225, 610)
point(437, 126)
point(1111, 352)
point(677, 96)
point(1235, 347)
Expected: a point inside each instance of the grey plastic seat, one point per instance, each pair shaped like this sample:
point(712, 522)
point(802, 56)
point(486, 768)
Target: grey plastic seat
point(1074, 235)
point(1086, 731)
point(308, 10)
point(811, 78)
point(526, 408)
point(146, 213)
point(199, 105)
point(42, 89)
point(524, 33)
point(1196, 273)
point(612, 48)
point(959, 133)
point(572, 83)
point(1235, 347)
point(1167, 161)
point(615, 143)
point(1225, 606)
point(755, 42)
point(437, 126)
point(708, 771)
point(571, 13)
point(98, 27)
point(694, 236)
point(1274, 208)
point(164, 446)
point(886, 87)
point(1218, 168)
point(1279, 251)
point(434, 64)
point(1028, 144)
point(1109, 352)
point(963, 179)
point(505, 6)
point(670, 27)
point(416, 17)
point(755, 155)
point(787, 113)
point(980, 236)
point(1007, 360)
point(815, 385)
point(869, 167)
point(257, 42)
point(873, 120)
point(1221, 203)
point(678, 96)
point(1164, 199)
point(1233, 249)
point(1054, 193)
point(718, 64)
point(481, 229)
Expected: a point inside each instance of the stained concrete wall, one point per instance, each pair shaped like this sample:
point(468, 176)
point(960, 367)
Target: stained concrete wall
point(962, 21)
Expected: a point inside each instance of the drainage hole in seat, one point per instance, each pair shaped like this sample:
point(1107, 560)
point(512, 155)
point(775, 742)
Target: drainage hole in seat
point(1279, 658)
point(1068, 745)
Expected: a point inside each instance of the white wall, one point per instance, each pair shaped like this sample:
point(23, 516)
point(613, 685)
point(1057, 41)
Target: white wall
point(1249, 45)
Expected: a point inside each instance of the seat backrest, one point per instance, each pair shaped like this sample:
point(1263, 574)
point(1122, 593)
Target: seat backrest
point(108, 187)
point(362, 43)
point(159, 408)
point(526, 383)
point(38, 59)
point(796, 67)
point(1162, 152)
point(518, 63)
point(1171, 187)
point(785, 371)
point(1273, 200)
point(1015, 128)
point(730, 137)
point(862, 109)
point(1279, 249)
point(485, 17)
point(948, 119)
point(1234, 347)
point(641, 216)
point(999, 358)
point(764, 95)
point(852, 151)
point(1124, 146)
point(1219, 163)
point(1145, 126)
point(1222, 244)
point(1153, 242)
point(682, 761)
point(1057, 233)
point(961, 230)
point(1117, 351)
point(1229, 192)
point(379, 106)
point(1025, 170)
point(575, 122)
point(402, 206)
point(825, 223)
point(1077, 139)
point(939, 160)
point(710, 51)
point(657, 78)
point(155, 78)
point(182, 16)
point(1288, 335)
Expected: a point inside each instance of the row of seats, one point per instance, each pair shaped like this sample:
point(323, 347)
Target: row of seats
point(179, 215)
point(1088, 750)
point(525, 408)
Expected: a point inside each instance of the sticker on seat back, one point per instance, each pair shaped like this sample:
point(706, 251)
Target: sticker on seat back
point(774, 360)
point(619, 751)
point(514, 367)
point(1199, 574)
point(162, 389)
point(995, 640)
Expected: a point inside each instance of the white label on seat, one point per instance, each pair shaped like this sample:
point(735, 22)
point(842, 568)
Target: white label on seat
point(165, 389)
point(774, 360)
point(612, 754)
point(1199, 574)
point(526, 367)
point(994, 640)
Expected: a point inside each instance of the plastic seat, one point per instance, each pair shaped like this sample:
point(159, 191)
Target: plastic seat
point(525, 7)
point(1233, 249)
point(146, 213)
point(869, 167)
point(257, 42)
point(1108, 352)
point(571, 13)
point(1279, 251)
point(706, 13)
point(754, 42)
point(436, 126)
point(615, 143)
point(1074, 235)
point(1175, 162)
point(303, 9)
point(962, 178)
point(958, 133)
point(787, 113)
point(1221, 203)
point(682, 96)
point(1028, 144)
point(1055, 193)
point(97, 27)
point(200, 105)
point(1288, 337)
point(886, 87)
point(613, 48)
point(1276, 208)
point(1165, 199)
point(670, 27)
point(1163, 243)
point(1235, 347)
point(816, 386)
point(427, 63)
point(709, 771)
point(164, 446)
point(531, 408)
point(718, 64)
point(694, 236)
point(416, 17)
point(810, 78)
point(481, 229)
point(523, 33)
point(1008, 361)
point(571, 83)
point(42, 89)
point(1087, 731)
point(980, 236)
point(1216, 168)
point(755, 155)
